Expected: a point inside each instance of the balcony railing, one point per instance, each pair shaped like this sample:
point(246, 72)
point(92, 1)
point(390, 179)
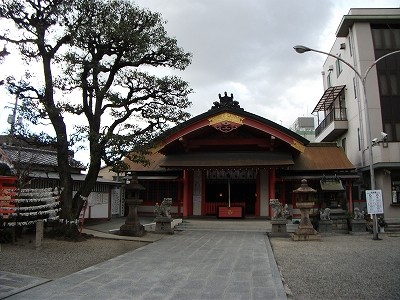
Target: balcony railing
point(337, 114)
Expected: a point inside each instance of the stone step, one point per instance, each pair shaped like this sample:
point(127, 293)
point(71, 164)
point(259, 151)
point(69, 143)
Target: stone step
point(393, 227)
point(230, 225)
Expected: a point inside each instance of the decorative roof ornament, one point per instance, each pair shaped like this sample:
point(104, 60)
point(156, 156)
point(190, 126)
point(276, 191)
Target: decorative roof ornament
point(225, 101)
point(226, 122)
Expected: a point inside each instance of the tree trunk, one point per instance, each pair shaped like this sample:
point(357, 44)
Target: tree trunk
point(88, 185)
point(58, 123)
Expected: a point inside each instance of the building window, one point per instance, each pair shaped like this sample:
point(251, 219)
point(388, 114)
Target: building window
point(376, 34)
point(389, 84)
point(338, 67)
point(394, 89)
point(397, 128)
point(351, 44)
point(386, 37)
point(383, 85)
point(344, 144)
point(396, 34)
point(328, 80)
point(342, 107)
point(359, 139)
point(355, 87)
point(387, 128)
point(390, 101)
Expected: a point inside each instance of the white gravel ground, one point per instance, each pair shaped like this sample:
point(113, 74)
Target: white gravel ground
point(56, 258)
point(341, 266)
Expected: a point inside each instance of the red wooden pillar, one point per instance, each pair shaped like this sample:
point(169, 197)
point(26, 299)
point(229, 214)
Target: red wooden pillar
point(185, 193)
point(349, 191)
point(203, 192)
point(180, 196)
point(258, 191)
point(272, 191)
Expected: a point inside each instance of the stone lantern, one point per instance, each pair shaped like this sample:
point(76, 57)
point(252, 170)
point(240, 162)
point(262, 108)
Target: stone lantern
point(132, 226)
point(305, 200)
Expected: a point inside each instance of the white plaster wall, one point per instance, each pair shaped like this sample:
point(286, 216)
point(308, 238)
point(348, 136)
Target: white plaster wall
point(99, 211)
point(98, 206)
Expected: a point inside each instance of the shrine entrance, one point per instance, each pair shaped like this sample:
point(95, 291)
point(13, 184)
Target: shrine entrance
point(235, 188)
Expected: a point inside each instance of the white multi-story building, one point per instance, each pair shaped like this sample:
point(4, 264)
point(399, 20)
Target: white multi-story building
point(305, 127)
point(363, 36)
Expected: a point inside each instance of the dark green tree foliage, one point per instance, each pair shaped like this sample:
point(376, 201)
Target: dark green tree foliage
point(105, 52)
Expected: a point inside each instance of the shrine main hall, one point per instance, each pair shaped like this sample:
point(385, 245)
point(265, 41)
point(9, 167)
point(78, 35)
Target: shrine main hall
point(228, 163)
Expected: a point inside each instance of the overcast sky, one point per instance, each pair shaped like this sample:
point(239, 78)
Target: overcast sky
point(245, 47)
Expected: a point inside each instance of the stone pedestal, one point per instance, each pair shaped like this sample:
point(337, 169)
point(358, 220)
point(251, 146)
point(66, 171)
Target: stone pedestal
point(339, 219)
point(163, 225)
point(305, 231)
point(325, 226)
point(278, 228)
point(132, 226)
point(358, 226)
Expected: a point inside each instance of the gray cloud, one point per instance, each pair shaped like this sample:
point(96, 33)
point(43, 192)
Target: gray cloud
point(244, 48)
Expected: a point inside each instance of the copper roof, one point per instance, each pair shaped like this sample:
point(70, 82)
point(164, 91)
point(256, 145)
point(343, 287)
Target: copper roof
point(328, 98)
point(328, 184)
point(154, 159)
point(317, 156)
point(322, 156)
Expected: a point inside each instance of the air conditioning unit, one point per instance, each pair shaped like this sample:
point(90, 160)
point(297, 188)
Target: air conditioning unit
point(342, 46)
point(330, 68)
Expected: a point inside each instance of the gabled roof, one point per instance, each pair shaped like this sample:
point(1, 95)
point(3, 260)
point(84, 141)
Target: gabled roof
point(227, 136)
point(226, 116)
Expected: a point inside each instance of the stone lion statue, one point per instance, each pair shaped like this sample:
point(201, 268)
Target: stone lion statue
point(325, 214)
point(280, 211)
point(358, 215)
point(163, 210)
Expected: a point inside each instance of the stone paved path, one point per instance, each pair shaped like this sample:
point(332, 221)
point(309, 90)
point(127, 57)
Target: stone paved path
point(186, 265)
point(14, 283)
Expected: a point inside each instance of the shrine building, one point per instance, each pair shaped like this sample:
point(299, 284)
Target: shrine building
point(228, 162)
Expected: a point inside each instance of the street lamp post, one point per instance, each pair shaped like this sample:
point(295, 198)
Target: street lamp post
point(302, 49)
